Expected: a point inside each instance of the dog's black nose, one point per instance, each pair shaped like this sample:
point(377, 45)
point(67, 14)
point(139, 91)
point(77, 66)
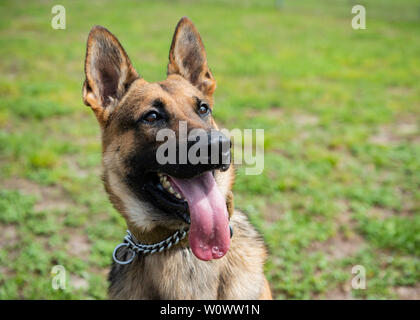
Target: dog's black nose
point(206, 150)
point(219, 149)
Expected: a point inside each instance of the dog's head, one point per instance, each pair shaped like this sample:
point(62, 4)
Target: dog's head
point(134, 113)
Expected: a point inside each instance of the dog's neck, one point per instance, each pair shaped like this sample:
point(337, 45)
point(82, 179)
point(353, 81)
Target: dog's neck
point(155, 235)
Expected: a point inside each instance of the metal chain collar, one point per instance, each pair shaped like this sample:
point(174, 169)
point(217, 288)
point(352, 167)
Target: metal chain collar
point(137, 248)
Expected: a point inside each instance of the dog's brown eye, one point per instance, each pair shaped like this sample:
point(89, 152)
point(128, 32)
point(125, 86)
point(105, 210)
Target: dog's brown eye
point(151, 117)
point(203, 109)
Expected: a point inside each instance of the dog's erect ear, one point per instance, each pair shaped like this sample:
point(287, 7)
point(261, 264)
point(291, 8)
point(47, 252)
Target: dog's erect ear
point(108, 72)
point(187, 57)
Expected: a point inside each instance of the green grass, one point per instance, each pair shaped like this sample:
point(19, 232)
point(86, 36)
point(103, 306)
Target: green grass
point(341, 114)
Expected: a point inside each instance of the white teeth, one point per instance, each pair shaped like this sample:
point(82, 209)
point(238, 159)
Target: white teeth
point(167, 185)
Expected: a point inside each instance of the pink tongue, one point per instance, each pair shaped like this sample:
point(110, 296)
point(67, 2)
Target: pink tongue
point(209, 234)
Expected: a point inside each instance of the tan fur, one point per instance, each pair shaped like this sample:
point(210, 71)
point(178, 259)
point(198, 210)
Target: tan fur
point(118, 96)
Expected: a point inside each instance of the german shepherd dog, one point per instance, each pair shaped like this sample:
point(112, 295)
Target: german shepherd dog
point(157, 200)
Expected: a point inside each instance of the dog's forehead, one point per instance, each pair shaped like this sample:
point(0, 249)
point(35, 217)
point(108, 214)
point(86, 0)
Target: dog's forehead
point(172, 92)
point(176, 85)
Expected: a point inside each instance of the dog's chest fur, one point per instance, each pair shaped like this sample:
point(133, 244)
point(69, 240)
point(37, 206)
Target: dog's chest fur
point(178, 274)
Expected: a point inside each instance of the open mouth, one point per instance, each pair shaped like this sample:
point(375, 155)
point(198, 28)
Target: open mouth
point(199, 202)
point(163, 195)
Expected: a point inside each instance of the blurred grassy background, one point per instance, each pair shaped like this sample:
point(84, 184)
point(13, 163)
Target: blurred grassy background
point(340, 109)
